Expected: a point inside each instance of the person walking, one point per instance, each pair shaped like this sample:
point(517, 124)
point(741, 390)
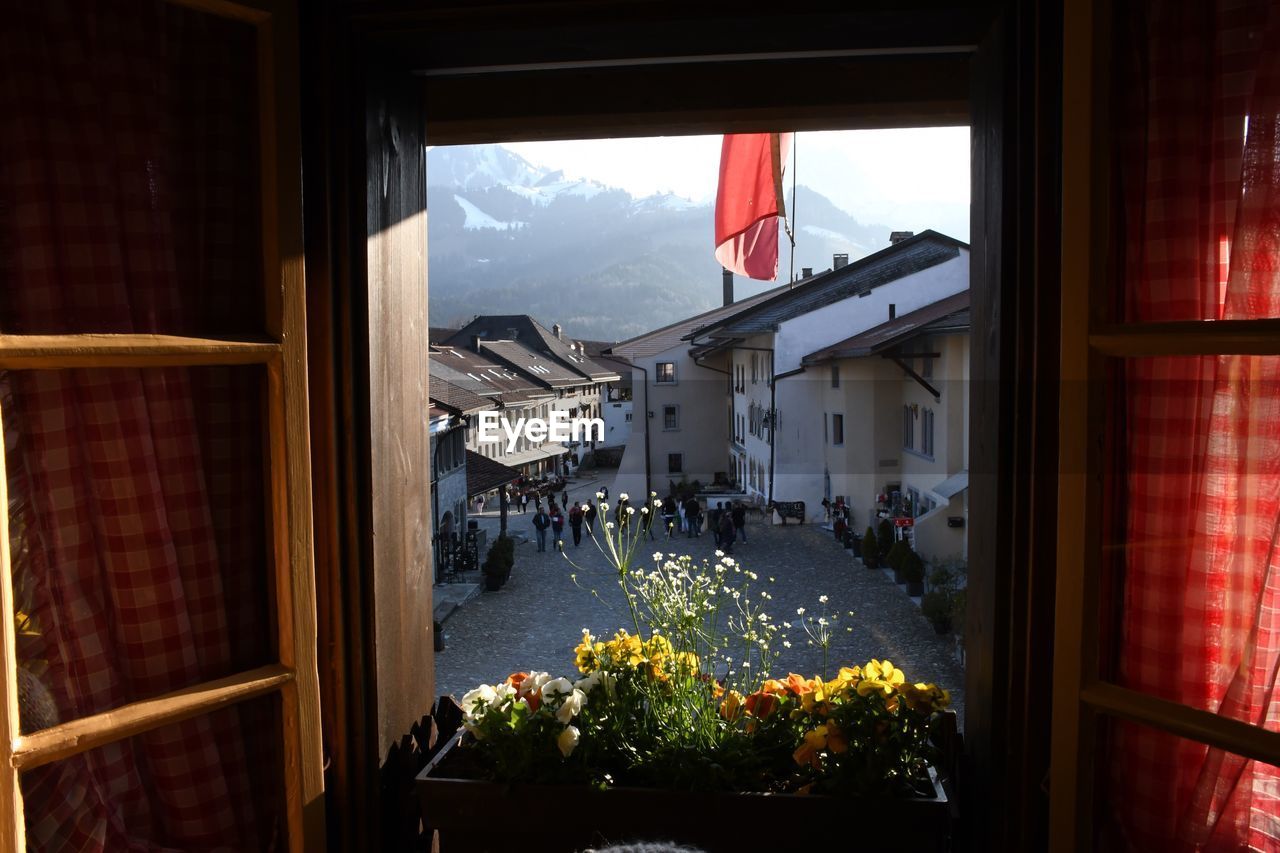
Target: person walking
point(693, 514)
point(739, 516)
point(557, 528)
point(726, 532)
point(669, 513)
point(564, 497)
point(541, 521)
point(589, 516)
point(479, 504)
point(575, 523)
point(524, 501)
point(604, 490)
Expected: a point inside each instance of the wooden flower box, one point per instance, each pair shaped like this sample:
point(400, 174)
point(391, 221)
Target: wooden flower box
point(477, 816)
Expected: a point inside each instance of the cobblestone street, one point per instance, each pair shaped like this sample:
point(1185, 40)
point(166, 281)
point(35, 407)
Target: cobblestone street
point(537, 618)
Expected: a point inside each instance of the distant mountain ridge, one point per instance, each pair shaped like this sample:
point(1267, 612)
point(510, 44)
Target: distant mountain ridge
point(506, 236)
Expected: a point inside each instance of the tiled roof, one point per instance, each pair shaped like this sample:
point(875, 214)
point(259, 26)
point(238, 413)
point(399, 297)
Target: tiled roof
point(509, 386)
point(535, 364)
point(527, 331)
point(925, 250)
point(948, 314)
point(446, 393)
point(484, 474)
point(663, 339)
point(439, 334)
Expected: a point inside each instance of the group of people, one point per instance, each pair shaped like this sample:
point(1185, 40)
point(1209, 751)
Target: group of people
point(553, 519)
point(726, 521)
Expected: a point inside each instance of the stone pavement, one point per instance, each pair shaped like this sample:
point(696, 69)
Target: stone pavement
point(537, 618)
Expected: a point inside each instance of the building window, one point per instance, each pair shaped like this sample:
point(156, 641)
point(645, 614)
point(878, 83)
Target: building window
point(826, 437)
point(908, 429)
point(755, 368)
point(675, 463)
point(671, 417)
point(926, 433)
point(666, 372)
point(837, 429)
point(628, 417)
point(835, 376)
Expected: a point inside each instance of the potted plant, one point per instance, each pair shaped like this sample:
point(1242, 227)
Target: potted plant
point(937, 608)
point(913, 572)
point(885, 537)
point(896, 560)
point(671, 721)
point(870, 548)
point(498, 563)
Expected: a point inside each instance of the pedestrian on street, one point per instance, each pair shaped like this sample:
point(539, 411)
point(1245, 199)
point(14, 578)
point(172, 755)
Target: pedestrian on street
point(669, 513)
point(693, 514)
point(557, 527)
point(524, 501)
point(726, 533)
point(479, 504)
point(575, 524)
point(604, 490)
point(541, 521)
point(589, 516)
point(739, 516)
point(713, 521)
point(564, 497)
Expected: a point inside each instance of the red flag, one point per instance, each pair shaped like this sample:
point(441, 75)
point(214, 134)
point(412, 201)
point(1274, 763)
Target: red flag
point(749, 202)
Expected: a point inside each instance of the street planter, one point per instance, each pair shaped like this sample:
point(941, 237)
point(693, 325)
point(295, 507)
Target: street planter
point(473, 816)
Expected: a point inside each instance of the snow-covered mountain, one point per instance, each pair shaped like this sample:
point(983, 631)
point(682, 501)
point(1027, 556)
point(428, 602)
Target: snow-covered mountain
point(509, 237)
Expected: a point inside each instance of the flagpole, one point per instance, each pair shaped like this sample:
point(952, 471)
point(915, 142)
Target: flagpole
point(791, 232)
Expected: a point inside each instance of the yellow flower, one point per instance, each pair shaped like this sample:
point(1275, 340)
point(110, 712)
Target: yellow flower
point(587, 654)
point(925, 698)
point(814, 742)
point(882, 678)
point(837, 740)
point(731, 707)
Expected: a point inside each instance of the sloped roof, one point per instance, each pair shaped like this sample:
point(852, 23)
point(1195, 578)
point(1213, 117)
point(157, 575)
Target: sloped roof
point(534, 364)
point(663, 339)
point(508, 385)
point(447, 394)
point(925, 250)
point(439, 334)
point(950, 313)
point(484, 474)
point(527, 331)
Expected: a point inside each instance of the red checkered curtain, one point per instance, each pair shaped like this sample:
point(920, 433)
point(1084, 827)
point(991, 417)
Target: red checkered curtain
point(1199, 161)
point(136, 500)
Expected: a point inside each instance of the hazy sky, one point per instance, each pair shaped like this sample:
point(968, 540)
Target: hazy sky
point(905, 179)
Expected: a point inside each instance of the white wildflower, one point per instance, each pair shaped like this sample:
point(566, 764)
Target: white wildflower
point(568, 740)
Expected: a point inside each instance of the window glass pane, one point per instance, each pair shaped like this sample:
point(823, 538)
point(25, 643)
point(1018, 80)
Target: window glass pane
point(215, 782)
point(131, 187)
point(1188, 514)
point(138, 533)
point(1181, 794)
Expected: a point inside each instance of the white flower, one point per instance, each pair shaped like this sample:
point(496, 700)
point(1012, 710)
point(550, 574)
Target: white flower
point(555, 687)
point(622, 497)
point(484, 693)
point(786, 644)
point(599, 496)
point(572, 705)
point(644, 510)
point(631, 510)
point(608, 525)
point(654, 495)
point(604, 507)
point(657, 556)
point(822, 599)
point(719, 553)
point(533, 684)
point(568, 740)
point(799, 611)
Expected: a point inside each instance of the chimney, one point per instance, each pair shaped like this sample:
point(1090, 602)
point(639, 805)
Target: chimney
point(726, 278)
point(555, 330)
point(893, 310)
point(899, 236)
point(475, 342)
point(805, 272)
point(840, 260)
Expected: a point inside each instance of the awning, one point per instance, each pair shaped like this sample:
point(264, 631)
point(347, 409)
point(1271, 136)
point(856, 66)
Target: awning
point(484, 474)
point(952, 486)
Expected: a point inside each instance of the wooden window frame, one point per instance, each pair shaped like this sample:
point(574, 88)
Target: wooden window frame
point(1083, 699)
point(282, 353)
